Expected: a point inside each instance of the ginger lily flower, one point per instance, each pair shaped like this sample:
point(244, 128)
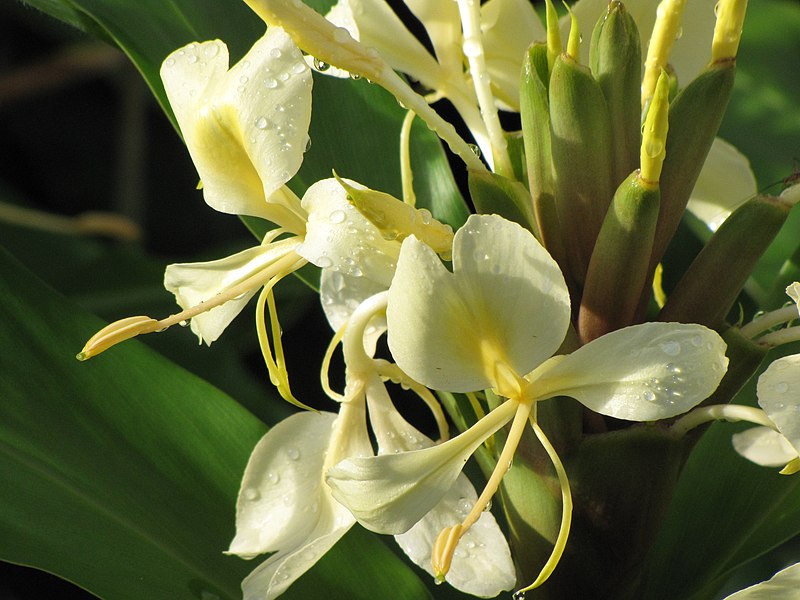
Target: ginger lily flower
point(778, 392)
point(782, 586)
point(493, 323)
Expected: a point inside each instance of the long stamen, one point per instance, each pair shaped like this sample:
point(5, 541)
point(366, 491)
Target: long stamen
point(769, 320)
point(781, 337)
point(566, 511)
point(326, 365)
point(448, 539)
point(406, 174)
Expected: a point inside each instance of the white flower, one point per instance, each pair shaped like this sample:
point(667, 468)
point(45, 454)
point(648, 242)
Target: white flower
point(783, 586)
point(493, 323)
point(778, 392)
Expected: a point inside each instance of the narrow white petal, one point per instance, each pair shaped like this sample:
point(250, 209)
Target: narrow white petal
point(783, 586)
point(506, 301)
point(640, 373)
point(779, 395)
point(282, 496)
point(339, 237)
point(391, 492)
point(482, 564)
point(764, 446)
point(508, 27)
point(273, 577)
point(443, 25)
point(380, 28)
point(193, 283)
point(726, 181)
point(246, 129)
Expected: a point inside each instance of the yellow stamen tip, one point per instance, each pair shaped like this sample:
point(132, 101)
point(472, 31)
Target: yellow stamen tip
point(574, 40)
point(654, 133)
point(116, 332)
point(728, 29)
point(443, 549)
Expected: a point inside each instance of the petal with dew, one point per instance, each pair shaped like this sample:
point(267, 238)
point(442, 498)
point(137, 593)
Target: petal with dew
point(380, 28)
point(793, 291)
point(764, 446)
point(726, 181)
point(778, 392)
point(443, 25)
point(640, 373)
point(391, 492)
point(341, 294)
point(783, 586)
point(505, 302)
point(340, 238)
point(509, 27)
point(281, 495)
point(482, 564)
point(193, 283)
point(246, 128)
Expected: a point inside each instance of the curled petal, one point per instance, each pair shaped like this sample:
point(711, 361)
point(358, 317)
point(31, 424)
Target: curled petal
point(193, 283)
point(726, 181)
point(640, 373)
point(391, 492)
point(505, 302)
point(793, 291)
point(339, 237)
point(778, 392)
point(246, 128)
point(764, 446)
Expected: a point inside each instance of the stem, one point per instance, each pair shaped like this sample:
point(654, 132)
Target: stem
point(476, 57)
point(770, 320)
point(720, 412)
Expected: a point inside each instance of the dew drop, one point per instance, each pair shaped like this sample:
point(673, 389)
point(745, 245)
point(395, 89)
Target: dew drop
point(275, 52)
point(472, 48)
point(649, 395)
point(781, 387)
point(308, 144)
point(299, 67)
point(251, 494)
point(270, 83)
point(211, 50)
point(321, 65)
point(671, 348)
point(170, 62)
point(323, 262)
point(192, 59)
point(337, 217)
point(184, 323)
point(697, 341)
point(653, 148)
point(261, 123)
point(487, 508)
point(464, 505)
point(341, 35)
point(284, 76)
point(475, 150)
point(244, 79)
point(355, 76)
point(293, 453)
point(518, 595)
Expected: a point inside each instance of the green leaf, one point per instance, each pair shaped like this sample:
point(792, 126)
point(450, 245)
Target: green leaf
point(125, 469)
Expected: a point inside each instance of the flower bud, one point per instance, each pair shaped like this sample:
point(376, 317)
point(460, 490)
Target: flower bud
point(726, 260)
point(494, 194)
point(616, 59)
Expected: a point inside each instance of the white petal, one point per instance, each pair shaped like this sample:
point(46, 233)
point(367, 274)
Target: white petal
point(482, 564)
point(272, 577)
point(793, 291)
point(506, 301)
point(783, 586)
point(391, 492)
point(509, 27)
point(341, 294)
point(246, 129)
point(282, 496)
point(726, 181)
point(640, 373)
point(339, 237)
point(778, 392)
point(379, 27)
point(443, 25)
point(764, 446)
point(193, 283)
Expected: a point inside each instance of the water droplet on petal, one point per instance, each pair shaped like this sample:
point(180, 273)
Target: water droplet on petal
point(671, 348)
point(472, 48)
point(261, 123)
point(649, 396)
point(170, 62)
point(192, 59)
point(293, 453)
point(251, 494)
point(337, 217)
point(341, 35)
point(697, 341)
point(321, 65)
point(323, 262)
point(211, 50)
point(781, 387)
point(275, 52)
point(299, 67)
point(273, 478)
point(270, 83)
